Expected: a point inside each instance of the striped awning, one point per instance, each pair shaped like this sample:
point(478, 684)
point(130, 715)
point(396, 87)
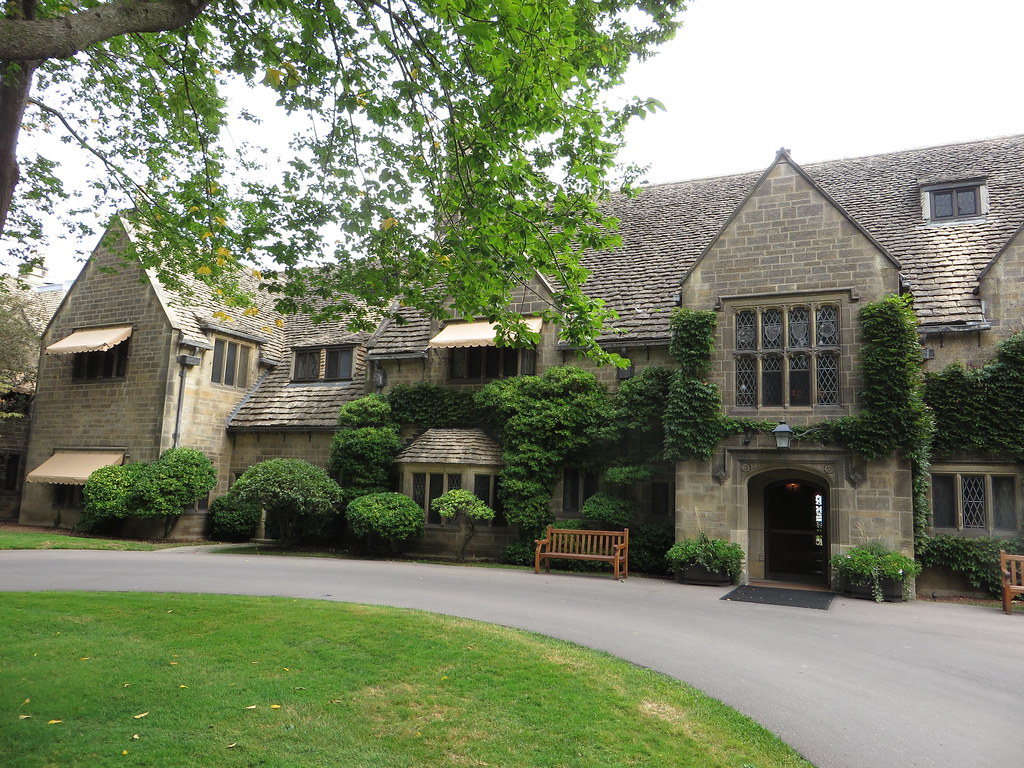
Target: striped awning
point(73, 467)
point(476, 334)
point(90, 340)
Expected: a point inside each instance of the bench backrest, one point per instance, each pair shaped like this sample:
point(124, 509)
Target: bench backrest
point(586, 542)
point(1012, 567)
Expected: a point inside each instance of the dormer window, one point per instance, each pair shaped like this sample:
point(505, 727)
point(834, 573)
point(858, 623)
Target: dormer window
point(952, 202)
point(323, 364)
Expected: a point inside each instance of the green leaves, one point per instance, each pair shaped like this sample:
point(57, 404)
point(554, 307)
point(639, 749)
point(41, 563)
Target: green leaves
point(479, 127)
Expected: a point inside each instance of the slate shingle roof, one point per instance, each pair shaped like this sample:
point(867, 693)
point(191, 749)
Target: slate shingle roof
point(452, 446)
point(277, 404)
point(667, 227)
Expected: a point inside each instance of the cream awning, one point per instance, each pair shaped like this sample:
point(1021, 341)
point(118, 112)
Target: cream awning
point(475, 334)
point(73, 467)
point(91, 340)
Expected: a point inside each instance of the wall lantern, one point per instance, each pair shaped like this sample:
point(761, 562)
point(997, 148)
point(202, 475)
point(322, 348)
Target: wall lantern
point(783, 434)
point(380, 377)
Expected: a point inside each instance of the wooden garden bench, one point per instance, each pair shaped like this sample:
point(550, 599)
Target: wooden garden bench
point(603, 546)
point(1012, 567)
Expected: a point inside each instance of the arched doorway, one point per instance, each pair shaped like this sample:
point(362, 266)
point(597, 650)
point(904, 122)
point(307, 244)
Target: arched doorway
point(796, 531)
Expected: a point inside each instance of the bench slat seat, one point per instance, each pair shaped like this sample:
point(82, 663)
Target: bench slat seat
point(601, 546)
point(1012, 568)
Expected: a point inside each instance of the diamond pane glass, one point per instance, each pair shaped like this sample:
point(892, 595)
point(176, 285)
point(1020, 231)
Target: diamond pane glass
point(746, 330)
point(746, 382)
point(828, 380)
point(827, 326)
point(771, 381)
point(1004, 512)
point(799, 380)
point(419, 488)
point(799, 327)
point(771, 329)
point(973, 494)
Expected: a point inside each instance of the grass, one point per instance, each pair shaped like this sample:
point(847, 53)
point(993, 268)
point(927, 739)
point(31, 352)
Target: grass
point(186, 680)
point(34, 540)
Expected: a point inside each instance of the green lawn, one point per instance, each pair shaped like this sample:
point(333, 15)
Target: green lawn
point(184, 680)
point(56, 540)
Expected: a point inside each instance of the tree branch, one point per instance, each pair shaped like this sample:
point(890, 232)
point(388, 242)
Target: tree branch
point(35, 39)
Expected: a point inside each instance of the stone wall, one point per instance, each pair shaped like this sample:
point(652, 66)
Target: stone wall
point(118, 413)
point(13, 442)
point(250, 448)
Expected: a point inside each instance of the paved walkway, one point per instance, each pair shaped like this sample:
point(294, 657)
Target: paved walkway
point(858, 686)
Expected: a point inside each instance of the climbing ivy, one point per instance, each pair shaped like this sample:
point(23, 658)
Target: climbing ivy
point(561, 418)
point(979, 410)
point(429, 405)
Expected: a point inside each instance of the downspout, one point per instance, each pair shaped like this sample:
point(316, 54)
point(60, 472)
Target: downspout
point(186, 362)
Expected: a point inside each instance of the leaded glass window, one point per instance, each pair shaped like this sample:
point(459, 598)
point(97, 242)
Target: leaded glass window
point(771, 329)
point(799, 327)
point(746, 381)
point(827, 326)
point(973, 494)
point(746, 330)
point(944, 501)
point(799, 380)
point(828, 379)
point(771, 380)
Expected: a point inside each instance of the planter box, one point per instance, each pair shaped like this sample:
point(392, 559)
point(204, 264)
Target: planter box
point(698, 574)
point(892, 590)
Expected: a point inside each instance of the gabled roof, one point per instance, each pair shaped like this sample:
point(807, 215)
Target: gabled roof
point(452, 446)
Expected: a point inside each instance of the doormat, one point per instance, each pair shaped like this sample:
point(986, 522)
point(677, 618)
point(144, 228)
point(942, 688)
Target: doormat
point(798, 598)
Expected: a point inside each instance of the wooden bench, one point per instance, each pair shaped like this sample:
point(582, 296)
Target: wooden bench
point(603, 546)
point(1012, 567)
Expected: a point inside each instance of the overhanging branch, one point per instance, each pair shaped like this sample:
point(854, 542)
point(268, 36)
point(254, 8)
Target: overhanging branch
point(36, 39)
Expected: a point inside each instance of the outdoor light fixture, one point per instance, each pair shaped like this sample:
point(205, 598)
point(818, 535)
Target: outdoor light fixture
point(783, 434)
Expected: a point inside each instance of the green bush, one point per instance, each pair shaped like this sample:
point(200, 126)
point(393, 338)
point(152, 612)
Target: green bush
point(172, 483)
point(233, 519)
point(717, 555)
point(648, 543)
point(367, 411)
point(608, 510)
point(459, 501)
point(975, 558)
point(299, 497)
point(868, 564)
point(105, 497)
point(393, 517)
point(520, 553)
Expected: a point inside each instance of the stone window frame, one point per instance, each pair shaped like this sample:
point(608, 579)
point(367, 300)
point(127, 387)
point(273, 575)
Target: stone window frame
point(231, 363)
point(10, 480)
point(577, 486)
point(930, 192)
point(757, 361)
point(323, 363)
point(972, 491)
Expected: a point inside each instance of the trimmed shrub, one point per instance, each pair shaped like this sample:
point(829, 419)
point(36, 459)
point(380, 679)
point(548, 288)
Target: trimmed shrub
point(648, 543)
point(459, 501)
point(232, 518)
point(520, 553)
point(608, 510)
point(367, 411)
point(300, 498)
point(393, 517)
point(172, 483)
point(362, 459)
point(105, 497)
point(429, 405)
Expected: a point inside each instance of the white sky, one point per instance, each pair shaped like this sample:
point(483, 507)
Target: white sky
point(824, 78)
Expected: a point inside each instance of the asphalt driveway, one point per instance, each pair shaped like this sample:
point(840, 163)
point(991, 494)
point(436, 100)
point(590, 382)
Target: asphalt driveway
point(857, 686)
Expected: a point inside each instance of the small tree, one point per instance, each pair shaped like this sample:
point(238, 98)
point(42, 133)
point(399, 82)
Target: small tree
point(295, 494)
point(106, 494)
point(175, 481)
point(363, 449)
point(392, 516)
point(460, 503)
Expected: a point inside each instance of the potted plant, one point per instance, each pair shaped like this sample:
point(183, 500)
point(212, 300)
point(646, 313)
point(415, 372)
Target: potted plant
point(705, 560)
point(872, 571)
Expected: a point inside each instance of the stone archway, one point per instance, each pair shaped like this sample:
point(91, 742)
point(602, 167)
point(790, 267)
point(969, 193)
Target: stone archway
point(788, 511)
